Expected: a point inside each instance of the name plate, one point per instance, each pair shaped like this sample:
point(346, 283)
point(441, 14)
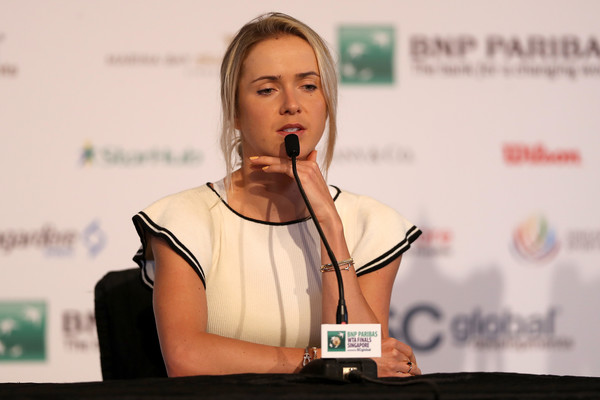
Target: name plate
point(350, 341)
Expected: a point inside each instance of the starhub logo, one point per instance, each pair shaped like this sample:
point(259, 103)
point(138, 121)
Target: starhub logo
point(22, 331)
point(367, 54)
point(535, 240)
point(110, 155)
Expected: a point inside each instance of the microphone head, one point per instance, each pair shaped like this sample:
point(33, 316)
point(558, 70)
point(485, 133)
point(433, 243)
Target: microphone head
point(292, 145)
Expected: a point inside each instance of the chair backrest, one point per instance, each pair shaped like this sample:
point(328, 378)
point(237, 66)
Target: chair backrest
point(127, 337)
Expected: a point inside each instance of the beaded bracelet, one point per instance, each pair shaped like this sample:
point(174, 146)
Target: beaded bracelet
point(330, 267)
point(308, 357)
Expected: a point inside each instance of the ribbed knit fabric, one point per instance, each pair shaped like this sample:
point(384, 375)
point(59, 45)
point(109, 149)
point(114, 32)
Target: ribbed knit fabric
point(262, 279)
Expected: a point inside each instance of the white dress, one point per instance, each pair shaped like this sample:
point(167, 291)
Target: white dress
point(262, 279)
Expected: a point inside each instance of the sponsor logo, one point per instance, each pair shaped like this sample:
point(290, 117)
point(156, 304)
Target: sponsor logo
point(117, 156)
point(535, 240)
point(192, 63)
point(7, 68)
point(544, 56)
point(79, 330)
point(54, 242)
point(484, 330)
point(583, 240)
point(23, 331)
point(336, 341)
point(388, 154)
point(433, 242)
point(538, 154)
point(366, 54)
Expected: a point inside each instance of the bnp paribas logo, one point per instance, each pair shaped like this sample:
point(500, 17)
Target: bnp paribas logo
point(22, 331)
point(366, 54)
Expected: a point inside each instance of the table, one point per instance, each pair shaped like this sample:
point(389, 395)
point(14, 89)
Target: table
point(465, 385)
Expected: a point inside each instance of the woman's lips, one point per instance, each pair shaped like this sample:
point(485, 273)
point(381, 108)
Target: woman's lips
point(291, 128)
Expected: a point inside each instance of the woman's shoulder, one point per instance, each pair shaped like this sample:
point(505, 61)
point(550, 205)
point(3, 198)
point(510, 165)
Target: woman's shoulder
point(365, 210)
point(197, 195)
point(359, 202)
point(189, 203)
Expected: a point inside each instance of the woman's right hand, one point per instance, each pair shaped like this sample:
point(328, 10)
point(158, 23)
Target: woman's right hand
point(397, 359)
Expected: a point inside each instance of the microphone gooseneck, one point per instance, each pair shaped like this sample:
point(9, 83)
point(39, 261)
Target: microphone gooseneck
point(292, 148)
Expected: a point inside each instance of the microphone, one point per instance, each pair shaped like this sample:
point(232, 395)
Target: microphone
point(330, 367)
point(292, 148)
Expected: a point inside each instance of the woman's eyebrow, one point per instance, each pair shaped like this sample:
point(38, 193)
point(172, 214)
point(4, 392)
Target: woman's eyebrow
point(300, 75)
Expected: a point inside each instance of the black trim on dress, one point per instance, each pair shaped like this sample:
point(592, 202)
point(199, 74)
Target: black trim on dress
point(143, 224)
point(258, 221)
point(411, 235)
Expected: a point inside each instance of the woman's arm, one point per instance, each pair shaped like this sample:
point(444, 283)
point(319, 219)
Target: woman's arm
point(368, 297)
point(181, 315)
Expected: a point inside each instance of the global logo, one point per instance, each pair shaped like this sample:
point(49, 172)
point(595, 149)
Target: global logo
point(426, 327)
point(535, 240)
point(367, 54)
point(23, 331)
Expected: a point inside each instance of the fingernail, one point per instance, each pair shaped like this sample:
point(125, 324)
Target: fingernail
point(253, 157)
point(265, 167)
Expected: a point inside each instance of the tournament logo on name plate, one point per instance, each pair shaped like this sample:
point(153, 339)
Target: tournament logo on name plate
point(336, 341)
point(22, 331)
point(366, 54)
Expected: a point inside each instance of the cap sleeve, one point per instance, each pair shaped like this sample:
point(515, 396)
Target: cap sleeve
point(184, 221)
point(375, 233)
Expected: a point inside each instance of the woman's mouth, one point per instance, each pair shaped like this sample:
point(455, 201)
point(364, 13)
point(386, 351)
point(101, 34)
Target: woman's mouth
point(291, 128)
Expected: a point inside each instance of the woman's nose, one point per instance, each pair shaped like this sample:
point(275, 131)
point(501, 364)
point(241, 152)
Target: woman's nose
point(290, 104)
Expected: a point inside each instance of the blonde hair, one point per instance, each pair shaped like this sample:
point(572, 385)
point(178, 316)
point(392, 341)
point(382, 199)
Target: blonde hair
point(264, 27)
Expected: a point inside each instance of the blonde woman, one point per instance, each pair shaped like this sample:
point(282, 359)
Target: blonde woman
point(235, 264)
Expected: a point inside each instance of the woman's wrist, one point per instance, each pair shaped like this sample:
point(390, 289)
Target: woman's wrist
point(311, 354)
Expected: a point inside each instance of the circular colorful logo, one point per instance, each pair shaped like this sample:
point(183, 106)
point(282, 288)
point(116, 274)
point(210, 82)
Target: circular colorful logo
point(534, 239)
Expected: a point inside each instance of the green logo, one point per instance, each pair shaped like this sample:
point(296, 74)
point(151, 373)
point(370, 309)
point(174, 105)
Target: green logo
point(22, 331)
point(367, 54)
point(336, 340)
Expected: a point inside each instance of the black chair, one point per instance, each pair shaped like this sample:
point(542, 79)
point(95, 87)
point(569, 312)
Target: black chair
point(127, 337)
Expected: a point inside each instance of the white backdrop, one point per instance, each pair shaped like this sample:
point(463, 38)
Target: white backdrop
point(476, 120)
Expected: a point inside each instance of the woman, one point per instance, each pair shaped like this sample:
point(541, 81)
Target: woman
point(235, 264)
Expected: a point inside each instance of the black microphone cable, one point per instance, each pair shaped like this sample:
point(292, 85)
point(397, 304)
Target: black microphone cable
point(292, 148)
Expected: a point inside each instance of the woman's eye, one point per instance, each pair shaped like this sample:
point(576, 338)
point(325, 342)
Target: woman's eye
point(265, 92)
point(310, 87)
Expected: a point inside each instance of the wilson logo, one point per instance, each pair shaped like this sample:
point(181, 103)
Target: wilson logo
point(519, 154)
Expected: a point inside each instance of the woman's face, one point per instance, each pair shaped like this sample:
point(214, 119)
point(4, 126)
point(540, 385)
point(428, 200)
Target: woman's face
point(279, 93)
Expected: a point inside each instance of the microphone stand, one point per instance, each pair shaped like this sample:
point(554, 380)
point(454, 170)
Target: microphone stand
point(329, 367)
point(341, 315)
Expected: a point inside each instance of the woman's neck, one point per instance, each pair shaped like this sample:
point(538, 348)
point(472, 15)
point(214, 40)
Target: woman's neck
point(266, 197)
